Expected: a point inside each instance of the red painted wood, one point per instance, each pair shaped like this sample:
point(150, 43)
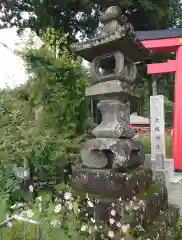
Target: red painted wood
point(156, 68)
point(163, 45)
point(177, 125)
point(171, 45)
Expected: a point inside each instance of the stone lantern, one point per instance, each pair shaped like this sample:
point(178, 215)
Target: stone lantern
point(112, 161)
point(112, 54)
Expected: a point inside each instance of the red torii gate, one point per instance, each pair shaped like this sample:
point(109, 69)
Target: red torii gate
point(169, 40)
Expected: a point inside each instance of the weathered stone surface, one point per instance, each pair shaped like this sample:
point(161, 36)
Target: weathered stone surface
point(159, 161)
point(165, 226)
point(119, 153)
point(114, 35)
point(161, 177)
point(114, 66)
point(172, 215)
point(148, 161)
point(135, 211)
point(107, 183)
point(110, 87)
point(113, 124)
point(150, 206)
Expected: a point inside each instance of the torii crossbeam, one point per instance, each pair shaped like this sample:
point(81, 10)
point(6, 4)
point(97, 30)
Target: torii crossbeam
point(169, 40)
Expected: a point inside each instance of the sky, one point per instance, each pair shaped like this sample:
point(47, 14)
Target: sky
point(12, 70)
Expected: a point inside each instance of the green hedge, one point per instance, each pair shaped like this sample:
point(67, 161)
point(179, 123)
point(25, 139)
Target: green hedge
point(146, 141)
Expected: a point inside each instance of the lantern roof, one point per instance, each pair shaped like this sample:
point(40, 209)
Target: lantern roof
point(114, 34)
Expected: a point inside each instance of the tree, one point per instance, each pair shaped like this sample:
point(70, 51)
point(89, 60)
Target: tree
point(78, 16)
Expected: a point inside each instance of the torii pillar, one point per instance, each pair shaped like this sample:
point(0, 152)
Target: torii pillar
point(169, 41)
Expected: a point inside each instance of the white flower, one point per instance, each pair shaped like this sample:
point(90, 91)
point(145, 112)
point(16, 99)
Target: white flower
point(23, 214)
point(40, 207)
point(39, 198)
point(17, 205)
point(125, 228)
point(31, 188)
point(29, 213)
point(111, 221)
point(92, 220)
point(111, 234)
point(90, 230)
point(9, 224)
point(134, 198)
point(95, 227)
point(118, 224)
point(113, 212)
point(57, 208)
point(127, 208)
point(70, 206)
point(67, 195)
point(83, 228)
point(55, 223)
point(102, 236)
point(90, 204)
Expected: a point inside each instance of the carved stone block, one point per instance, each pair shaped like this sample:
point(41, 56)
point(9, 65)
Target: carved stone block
point(112, 153)
point(135, 211)
point(115, 121)
point(107, 183)
point(108, 88)
point(113, 66)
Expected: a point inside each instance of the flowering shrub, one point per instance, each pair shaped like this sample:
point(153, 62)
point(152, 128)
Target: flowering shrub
point(67, 217)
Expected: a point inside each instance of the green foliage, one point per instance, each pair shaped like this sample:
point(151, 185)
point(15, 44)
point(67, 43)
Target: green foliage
point(146, 141)
point(61, 224)
point(79, 16)
point(40, 120)
point(179, 227)
point(10, 187)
